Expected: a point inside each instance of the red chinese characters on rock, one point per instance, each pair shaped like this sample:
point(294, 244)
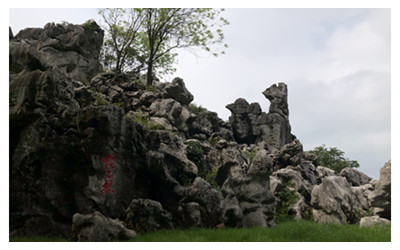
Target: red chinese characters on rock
point(108, 161)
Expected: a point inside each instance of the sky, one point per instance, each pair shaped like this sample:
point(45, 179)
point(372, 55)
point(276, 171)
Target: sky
point(336, 63)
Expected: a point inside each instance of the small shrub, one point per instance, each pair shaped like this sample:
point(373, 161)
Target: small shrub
point(198, 110)
point(145, 121)
point(92, 26)
point(119, 103)
point(151, 88)
point(214, 140)
point(195, 153)
point(250, 155)
point(184, 179)
point(210, 178)
point(100, 99)
point(287, 199)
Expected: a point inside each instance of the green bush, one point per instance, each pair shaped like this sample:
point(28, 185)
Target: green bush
point(195, 153)
point(250, 155)
point(210, 178)
point(332, 158)
point(151, 88)
point(145, 121)
point(287, 198)
point(198, 110)
point(92, 26)
point(100, 100)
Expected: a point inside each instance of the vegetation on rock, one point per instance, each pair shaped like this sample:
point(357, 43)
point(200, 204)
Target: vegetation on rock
point(145, 39)
point(332, 158)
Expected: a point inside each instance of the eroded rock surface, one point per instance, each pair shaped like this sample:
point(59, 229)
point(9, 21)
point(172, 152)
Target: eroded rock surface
point(173, 165)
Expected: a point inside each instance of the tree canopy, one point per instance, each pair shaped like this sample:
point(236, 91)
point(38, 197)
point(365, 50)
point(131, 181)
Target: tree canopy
point(332, 158)
point(146, 40)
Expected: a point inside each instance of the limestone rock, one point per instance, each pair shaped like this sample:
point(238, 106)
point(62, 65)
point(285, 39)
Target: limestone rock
point(277, 95)
point(209, 201)
point(334, 201)
point(290, 154)
point(177, 91)
point(97, 228)
point(250, 187)
point(145, 215)
point(323, 172)
point(240, 121)
point(354, 177)
point(381, 196)
point(73, 49)
point(371, 221)
point(250, 125)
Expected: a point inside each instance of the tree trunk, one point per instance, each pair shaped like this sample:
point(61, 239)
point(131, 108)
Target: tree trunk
point(150, 72)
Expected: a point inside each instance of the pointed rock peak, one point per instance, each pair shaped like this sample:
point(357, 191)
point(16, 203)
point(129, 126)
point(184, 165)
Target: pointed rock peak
point(240, 106)
point(277, 95)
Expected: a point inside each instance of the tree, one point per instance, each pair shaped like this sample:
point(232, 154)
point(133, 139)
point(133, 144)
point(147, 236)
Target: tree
point(174, 28)
point(161, 32)
point(122, 28)
point(332, 158)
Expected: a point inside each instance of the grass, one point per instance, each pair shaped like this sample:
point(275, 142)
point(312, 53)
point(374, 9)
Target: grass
point(291, 231)
point(38, 239)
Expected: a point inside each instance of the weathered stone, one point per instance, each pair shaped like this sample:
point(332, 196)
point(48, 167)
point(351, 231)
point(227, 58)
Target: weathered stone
point(240, 121)
point(145, 215)
point(251, 189)
point(71, 48)
point(96, 227)
point(232, 213)
point(192, 214)
point(323, 172)
point(293, 178)
point(371, 221)
point(362, 192)
point(334, 201)
point(209, 200)
point(177, 91)
point(354, 177)
point(290, 155)
point(381, 196)
point(301, 210)
point(277, 95)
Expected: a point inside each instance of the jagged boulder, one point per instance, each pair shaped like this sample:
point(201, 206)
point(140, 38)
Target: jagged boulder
point(145, 215)
point(279, 130)
point(277, 95)
point(334, 202)
point(177, 91)
point(98, 228)
point(323, 172)
point(381, 197)
point(354, 177)
point(208, 200)
point(371, 221)
point(248, 200)
point(74, 49)
point(290, 154)
point(240, 121)
point(252, 126)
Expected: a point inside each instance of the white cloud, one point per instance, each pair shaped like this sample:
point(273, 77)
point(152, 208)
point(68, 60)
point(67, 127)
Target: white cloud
point(336, 63)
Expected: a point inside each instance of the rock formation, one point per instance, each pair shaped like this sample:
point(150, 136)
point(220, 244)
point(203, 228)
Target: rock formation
point(251, 126)
point(108, 156)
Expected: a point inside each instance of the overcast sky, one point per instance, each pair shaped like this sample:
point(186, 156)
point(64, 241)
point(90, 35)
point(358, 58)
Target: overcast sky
point(336, 63)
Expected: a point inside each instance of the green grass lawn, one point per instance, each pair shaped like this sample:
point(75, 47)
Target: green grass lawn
point(292, 231)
